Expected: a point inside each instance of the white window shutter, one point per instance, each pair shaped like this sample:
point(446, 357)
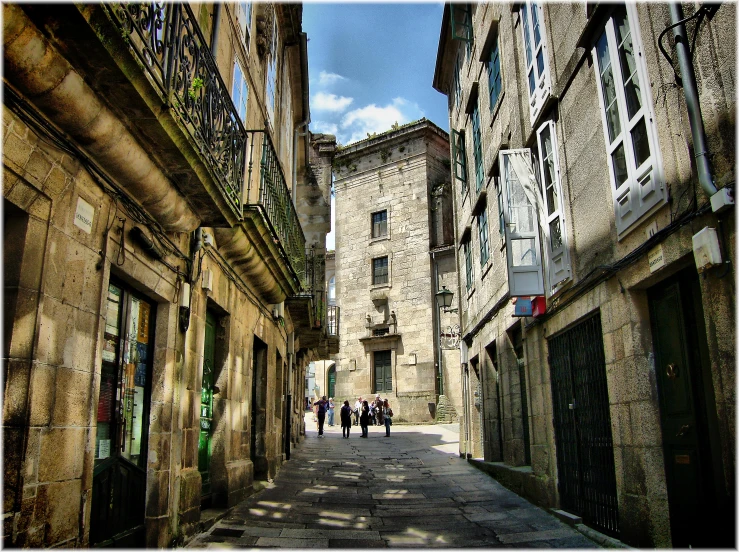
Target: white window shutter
point(553, 218)
point(521, 217)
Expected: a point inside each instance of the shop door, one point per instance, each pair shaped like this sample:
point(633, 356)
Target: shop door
point(582, 426)
point(206, 407)
point(700, 514)
point(383, 372)
point(121, 442)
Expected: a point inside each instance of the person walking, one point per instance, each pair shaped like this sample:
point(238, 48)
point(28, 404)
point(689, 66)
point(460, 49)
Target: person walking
point(346, 419)
point(321, 413)
point(387, 413)
point(364, 418)
point(357, 410)
point(331, 412)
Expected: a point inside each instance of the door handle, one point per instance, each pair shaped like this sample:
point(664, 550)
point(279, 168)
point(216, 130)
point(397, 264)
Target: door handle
point(671, 371)
point(683, 430)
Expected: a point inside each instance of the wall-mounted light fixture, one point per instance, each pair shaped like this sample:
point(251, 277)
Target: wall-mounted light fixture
point(444, 299)
point(185, 306)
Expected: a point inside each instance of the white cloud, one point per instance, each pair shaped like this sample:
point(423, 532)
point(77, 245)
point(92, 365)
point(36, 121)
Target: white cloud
point(357, 123)
point(325, 127)
point(330, 102)
point(327, 79)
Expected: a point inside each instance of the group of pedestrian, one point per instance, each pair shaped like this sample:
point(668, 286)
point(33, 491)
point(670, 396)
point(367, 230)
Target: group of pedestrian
point(378, 412)
point(364, 413)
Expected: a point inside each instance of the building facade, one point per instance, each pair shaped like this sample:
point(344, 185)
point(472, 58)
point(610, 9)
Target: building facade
point(158, 314)
point(593, 160)
point(394, 251)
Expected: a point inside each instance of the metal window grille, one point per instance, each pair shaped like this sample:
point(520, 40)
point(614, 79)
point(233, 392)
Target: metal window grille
point(379, 224)
point(380, 270)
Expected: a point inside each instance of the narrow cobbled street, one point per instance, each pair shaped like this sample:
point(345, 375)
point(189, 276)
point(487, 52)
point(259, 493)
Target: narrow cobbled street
point(409, 490)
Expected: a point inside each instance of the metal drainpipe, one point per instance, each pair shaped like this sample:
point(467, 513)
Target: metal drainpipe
point(216, 27)
point(705, 177)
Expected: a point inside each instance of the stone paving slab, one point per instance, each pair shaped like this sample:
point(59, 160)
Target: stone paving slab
point(409, 491)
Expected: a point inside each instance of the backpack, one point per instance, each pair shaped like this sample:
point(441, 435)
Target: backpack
point(321, 407)
point(389, 413)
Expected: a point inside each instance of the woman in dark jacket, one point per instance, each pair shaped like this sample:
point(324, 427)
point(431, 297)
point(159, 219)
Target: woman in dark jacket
point(364, 418)
point(346, 420)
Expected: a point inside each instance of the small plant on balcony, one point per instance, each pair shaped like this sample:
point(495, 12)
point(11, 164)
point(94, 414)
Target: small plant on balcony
point(197, 84)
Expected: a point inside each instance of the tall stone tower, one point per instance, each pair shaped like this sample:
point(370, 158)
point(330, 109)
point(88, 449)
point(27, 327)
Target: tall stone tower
point(394, 251)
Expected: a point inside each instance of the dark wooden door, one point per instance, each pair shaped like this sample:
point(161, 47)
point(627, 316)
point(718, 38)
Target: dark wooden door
point(582, 425)
point(119, 473)
point(698, 510)
point(206, 407)
point(383, 371)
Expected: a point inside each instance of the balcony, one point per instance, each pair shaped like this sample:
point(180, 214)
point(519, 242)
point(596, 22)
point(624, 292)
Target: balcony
point(168, 46)
point(309, 310)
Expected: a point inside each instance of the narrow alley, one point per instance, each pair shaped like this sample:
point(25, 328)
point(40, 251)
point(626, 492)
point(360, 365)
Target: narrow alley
point(410, 490)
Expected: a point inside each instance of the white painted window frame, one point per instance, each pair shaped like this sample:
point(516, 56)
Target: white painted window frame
point(272, 71)
point(542, 79)
point(523, 280)
point(558, 259)
point(244, 12)
point(643, 191)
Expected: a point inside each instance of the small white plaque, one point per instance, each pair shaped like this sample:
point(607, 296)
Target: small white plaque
point(84, 215)
point(104, 449)
point(656, 259)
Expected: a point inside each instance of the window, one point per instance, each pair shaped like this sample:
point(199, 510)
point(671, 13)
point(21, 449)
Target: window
point(467, 249)
point(494, 78)
point(477, 147)
point(521, 223)
point(457, 84)
point(383, 371)
point(332, 291)
point(461, 15)
point(558, 262)
point(501, 218)
point(240, 91)
point(537, 69)
point(243, 15)
point(482, 226)
point(379, 224)
point(379, 271)
point(272, 71)
point(460, 158)
point(627, 122)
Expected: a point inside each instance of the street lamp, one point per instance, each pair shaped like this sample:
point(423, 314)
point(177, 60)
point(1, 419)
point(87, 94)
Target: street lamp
point(444, 299)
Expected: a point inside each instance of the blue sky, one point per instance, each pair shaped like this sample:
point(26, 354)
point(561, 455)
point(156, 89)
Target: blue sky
point(371, 65)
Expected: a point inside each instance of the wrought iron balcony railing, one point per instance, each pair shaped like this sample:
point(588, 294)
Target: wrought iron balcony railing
point(273, 198)
point(168, 42)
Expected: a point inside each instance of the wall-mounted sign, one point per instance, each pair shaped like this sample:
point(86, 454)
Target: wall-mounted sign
point(656, 259)
point(84, 215)
point(523, 307)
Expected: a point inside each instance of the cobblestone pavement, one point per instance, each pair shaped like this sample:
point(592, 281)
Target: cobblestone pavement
point(409, 490)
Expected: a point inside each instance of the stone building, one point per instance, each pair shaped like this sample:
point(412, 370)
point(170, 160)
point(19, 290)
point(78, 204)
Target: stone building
point(594, 180)
point(158, 313)
point(394, 251)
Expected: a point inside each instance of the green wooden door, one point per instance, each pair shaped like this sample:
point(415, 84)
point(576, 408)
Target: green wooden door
point(687, 411)
point(383, 371)
point(332, 381)
point(206, 405)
